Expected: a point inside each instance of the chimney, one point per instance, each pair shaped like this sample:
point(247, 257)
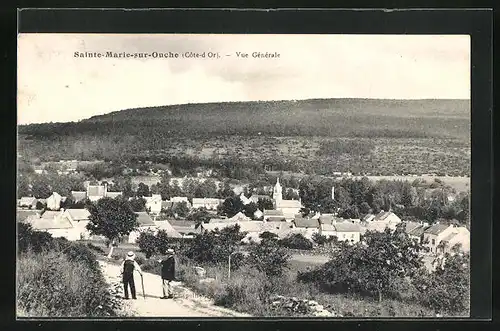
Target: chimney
point(105, 189)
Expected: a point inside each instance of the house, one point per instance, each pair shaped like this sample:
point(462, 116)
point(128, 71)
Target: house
point(255, 198)
point(168, 228)
point(113, 195)
point(460, 236)
point(54, 201)
point(244, 199)
point(415, 230)
point(146, 223)
point(347, 231)
point(382, 221)
point(307, 226)
point(289, 208)
point(55, 223)
point(39, 169)
point(79, 195)
point(96, 192)
point(368, 218)
point(79, 218)
point(271, 215)
point(434, 234)
point(207, 203)
point(23, 214)
point(27, 202)
point(327, 230)
point(258, 214)
point(154, 204)
point(240, 217)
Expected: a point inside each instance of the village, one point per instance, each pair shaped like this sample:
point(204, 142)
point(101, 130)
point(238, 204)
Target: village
point(281, 216)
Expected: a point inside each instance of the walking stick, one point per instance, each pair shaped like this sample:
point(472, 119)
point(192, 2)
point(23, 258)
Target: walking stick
point(142, 283)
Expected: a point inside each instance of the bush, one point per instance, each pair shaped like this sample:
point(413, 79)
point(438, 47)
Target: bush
point(296, 241)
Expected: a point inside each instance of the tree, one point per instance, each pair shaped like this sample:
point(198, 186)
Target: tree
point(319, 239)
point(290, 194)
point(40, 188)
point(296, 241)
point(447, 289)
point(216, 246)
point(264, 204)
point(199, 217)
point(147, 243)
point(269, 257)
point(143, 190)
point(180, 209)
point(111, 218)
point(138, 204)
point(232, 206)
point(207, 189)
point(162, 241)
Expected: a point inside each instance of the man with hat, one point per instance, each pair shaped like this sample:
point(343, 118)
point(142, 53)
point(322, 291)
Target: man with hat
point(128, 266)
point(167, 273)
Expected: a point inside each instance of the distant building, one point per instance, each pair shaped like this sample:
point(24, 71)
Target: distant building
point(289, 208)
point(255, 198)
point(435, 234)
point(442, 238)
point(146, 223)
point(56, 223)
point(27, 202)
point(347, 231)
point(207, 203)
point(383, 220)
point(54, 201)
point(307, 226)
point(154, 204)
point(271, 215)
point(96, 192)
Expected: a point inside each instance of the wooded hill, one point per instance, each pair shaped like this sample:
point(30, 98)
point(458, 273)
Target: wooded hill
point(368, 118)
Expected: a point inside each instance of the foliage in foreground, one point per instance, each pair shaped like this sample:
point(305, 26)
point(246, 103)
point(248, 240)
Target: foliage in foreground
point(58, 278)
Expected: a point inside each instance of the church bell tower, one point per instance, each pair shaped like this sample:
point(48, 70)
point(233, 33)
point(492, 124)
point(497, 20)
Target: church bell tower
point(277, 193)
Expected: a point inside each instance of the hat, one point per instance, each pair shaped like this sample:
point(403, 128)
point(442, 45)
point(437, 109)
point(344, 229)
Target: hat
point(170, 251)
point(130, 255)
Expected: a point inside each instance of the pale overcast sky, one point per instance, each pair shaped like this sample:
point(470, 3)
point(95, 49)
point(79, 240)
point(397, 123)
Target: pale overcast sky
point(55, 86)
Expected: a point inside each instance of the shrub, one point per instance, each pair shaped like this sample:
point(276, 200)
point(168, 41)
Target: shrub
point(296, 241)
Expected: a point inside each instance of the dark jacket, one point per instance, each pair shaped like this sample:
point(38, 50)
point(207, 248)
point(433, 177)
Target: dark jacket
point(168, 268)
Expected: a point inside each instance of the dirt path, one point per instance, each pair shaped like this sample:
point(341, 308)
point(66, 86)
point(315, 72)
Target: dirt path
point(185, 302)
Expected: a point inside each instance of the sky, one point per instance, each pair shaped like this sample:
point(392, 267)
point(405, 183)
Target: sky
point(56, 86)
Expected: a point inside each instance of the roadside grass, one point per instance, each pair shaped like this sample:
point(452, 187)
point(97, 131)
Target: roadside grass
point(50, 284)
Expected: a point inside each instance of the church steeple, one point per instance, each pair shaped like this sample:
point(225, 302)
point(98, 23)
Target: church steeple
point(277, 192)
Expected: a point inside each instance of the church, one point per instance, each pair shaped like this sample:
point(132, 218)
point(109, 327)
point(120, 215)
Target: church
point(289, 208)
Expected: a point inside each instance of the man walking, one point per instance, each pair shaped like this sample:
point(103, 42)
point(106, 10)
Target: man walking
point(168, 273)
point(128, 266)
